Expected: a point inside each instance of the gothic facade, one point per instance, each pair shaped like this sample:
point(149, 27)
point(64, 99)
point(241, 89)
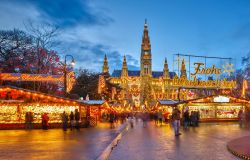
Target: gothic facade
point(143, 86)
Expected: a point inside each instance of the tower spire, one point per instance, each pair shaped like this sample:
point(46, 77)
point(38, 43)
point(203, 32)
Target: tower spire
point(105, 68)
point(145, 38)
point(165, 69)
point(183, 69)
point(146, 57)
point(124, 67)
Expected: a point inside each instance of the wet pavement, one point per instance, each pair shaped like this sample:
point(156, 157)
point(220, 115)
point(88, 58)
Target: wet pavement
point(55, 144)
point(206, 142)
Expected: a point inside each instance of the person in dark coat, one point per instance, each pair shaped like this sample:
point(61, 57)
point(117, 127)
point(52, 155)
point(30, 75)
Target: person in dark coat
point(77, 119)
point(111, 120)
point(72, 120)
point(186, 118)
point(65, 119)
point(27, 119)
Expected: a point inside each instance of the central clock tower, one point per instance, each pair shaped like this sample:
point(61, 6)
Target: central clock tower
point(146, 59)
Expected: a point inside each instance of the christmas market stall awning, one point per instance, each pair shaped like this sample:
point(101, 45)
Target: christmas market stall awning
point(168, 102)
point(95, 103)
point(16, 103)
point(220, 98)
point(92, 102)
point(15, 94)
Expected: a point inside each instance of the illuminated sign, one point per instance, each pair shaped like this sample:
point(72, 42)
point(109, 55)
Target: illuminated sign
point(200, 69)
point(221, 99)
point(180, 82)
point(40, 78)
point(31, 77)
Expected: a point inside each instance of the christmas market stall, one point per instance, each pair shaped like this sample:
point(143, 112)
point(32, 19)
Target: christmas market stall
point(16, 102)
point(217, 108)
point(166, 107)
point(94, 111)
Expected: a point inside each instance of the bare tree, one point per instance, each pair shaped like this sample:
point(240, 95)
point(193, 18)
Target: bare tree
point(44, 39)
point(13, 48)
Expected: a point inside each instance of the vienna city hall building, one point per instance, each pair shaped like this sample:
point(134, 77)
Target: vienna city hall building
point(145, 86)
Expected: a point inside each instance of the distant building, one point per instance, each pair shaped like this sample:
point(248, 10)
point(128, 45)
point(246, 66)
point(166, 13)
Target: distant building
point(145, 86)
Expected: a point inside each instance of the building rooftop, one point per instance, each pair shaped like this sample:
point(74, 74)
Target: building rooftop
point(155, 74)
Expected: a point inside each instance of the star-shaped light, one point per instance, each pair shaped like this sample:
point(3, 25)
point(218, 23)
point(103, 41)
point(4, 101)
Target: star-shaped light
point(228, 68)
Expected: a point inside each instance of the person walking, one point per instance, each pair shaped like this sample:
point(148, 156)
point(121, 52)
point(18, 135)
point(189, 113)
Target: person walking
point(31, 119)
point(77, 119)
point(197, 118)
point(27, 119)
point(192, 118)
point(144, 118)
point(241, 117)
point(65, 119)
point(111, 120)
point(176, 116)
point(160, 117)
point(186, 118)
point(155, 117)
point(72, 119)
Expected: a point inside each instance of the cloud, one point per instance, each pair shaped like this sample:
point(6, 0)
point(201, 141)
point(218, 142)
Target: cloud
point(82, 29)
point(65, 13)
point(90, 56)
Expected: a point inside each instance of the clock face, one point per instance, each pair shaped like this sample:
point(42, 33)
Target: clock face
point(146, 52)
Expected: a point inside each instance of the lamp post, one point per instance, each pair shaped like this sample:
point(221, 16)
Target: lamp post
point(65, 71)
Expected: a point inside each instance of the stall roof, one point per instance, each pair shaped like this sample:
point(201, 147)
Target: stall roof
point(92, 102)
point(52, 98)
point(237, 99)
point(169, 102)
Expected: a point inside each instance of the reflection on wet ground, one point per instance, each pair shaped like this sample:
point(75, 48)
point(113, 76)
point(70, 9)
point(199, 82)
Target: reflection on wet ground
point(55, 143)
point(206, 142)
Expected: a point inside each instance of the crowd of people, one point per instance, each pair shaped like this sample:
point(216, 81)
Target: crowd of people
point(187, 118)
point(73, 118)
point(130, 117)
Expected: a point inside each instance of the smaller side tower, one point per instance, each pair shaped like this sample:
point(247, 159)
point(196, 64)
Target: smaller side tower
point(124, 68)
point(105, 68)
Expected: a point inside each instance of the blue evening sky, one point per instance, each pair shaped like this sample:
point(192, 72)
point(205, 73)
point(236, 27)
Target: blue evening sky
point(89, 29)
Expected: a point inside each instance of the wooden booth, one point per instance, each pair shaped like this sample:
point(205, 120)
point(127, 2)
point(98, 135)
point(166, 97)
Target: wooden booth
point(16, 102)
point(217, 108)
point(94, 111)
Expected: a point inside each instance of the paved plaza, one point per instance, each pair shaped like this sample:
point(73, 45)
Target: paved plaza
point(55, 144)
point(207, 142)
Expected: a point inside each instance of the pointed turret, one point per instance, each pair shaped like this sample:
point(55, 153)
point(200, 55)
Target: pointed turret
point(165, 69)
point(105, 68)
point(183, 69)
point(145, 38)
point(124, 68)
point(146, 58)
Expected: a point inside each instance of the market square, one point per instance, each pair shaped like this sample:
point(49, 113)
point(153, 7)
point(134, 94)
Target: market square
point(124, 80)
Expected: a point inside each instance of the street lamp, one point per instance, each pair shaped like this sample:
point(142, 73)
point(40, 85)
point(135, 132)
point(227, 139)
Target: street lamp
point(65, 71)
